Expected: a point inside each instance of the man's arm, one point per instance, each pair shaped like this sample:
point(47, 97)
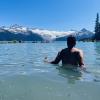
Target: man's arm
point(81, 63)
point(57, 59)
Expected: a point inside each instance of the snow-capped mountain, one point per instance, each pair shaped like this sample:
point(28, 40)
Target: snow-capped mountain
point(45, 34)
point(16, 29)
point(18, 33)
point(84, 34)
point(80, 35)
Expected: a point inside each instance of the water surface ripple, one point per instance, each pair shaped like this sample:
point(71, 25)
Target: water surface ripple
point(24, 75)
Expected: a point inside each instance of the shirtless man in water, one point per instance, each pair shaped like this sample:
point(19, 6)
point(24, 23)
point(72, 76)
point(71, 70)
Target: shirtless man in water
point(71, 55)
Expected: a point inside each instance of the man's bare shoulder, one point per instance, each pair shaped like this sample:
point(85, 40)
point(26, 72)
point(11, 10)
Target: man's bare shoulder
point(77, 50)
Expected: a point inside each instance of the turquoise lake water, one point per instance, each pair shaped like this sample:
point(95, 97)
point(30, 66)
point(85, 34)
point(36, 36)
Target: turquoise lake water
point(24, 75)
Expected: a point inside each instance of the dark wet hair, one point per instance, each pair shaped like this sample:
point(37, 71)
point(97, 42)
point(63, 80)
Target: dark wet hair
point(71, 42)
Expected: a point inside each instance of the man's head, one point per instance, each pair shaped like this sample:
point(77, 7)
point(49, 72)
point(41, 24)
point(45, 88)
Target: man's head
point(71, 42)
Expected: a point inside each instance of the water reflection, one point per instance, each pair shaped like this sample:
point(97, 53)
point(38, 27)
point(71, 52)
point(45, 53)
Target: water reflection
point(97, 54)
point(97, 50)
point(97, 47)
point(75, 75)
point(71, 75)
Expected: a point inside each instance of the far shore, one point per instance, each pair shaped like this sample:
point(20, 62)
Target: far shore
point(15, 41)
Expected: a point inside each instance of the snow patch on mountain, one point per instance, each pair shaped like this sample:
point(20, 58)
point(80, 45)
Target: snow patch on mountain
point(51, 34)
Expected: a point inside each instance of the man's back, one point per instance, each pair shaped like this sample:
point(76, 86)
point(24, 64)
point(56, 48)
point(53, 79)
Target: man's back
point(70, 55)
point(73, 57)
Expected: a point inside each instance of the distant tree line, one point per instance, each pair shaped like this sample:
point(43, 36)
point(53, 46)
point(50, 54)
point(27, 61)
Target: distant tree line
point(97, 28)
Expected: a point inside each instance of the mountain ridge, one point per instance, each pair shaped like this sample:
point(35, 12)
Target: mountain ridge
point(17, 32)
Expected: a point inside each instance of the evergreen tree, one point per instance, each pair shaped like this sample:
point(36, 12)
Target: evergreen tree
point(97, 28)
